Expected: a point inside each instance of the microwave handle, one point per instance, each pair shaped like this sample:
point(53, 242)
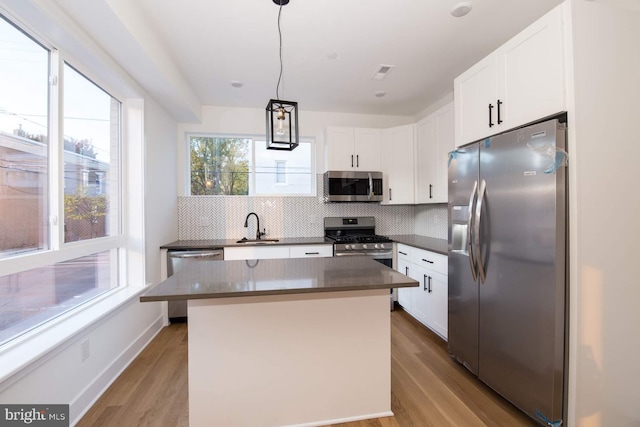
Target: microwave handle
point(370, 189)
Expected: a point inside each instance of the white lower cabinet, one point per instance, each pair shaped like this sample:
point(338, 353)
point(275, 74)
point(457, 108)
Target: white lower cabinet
point(427, 303)
point(404, 265)
point(276, 251)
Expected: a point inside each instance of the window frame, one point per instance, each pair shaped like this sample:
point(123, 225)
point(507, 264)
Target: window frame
point(57, 249)
point(281, 173)
point(254, 137)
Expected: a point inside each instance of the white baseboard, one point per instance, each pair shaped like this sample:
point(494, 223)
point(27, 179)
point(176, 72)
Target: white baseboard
point(345, 420)
point(87, 397)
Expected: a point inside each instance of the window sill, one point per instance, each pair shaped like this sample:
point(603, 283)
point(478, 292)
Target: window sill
point(23, 351)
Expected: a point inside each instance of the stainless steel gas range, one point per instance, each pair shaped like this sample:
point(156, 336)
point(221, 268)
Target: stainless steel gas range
point(356, 236)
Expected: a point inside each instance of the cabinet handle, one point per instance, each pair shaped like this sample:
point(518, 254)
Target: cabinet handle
point(358, 158)
point(429, 285)
point(390, 198)
point(406, 271)
point(499, 104)
point(402, 253)
point(352, 160)
point(312, 253)
point(431, 191)
point(426, 260)
point(490, 118)
point(424, 282)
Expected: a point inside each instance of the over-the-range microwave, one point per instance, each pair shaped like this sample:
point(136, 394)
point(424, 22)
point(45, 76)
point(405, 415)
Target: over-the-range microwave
point(352, 186)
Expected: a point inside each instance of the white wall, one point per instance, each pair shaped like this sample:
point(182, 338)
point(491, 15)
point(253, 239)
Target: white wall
point(605, 214)
point(161, 202)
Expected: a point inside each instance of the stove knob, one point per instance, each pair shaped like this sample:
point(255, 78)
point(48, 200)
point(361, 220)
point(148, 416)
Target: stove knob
point(364, 246)
point(347, 247)
point(377, 246)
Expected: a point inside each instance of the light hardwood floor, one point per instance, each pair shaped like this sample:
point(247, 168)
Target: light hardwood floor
point(427, 387)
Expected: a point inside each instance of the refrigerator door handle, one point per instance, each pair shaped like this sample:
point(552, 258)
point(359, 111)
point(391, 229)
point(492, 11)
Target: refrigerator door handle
point(480, 263)
point(472, 260)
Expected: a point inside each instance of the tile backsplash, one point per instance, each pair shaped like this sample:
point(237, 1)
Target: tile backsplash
point(222, 217)
point(431, 220)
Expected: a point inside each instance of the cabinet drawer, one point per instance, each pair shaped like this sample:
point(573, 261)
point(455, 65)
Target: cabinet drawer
point(430, 260)
point(404, 252)
point(307, 251)
point(255, 252)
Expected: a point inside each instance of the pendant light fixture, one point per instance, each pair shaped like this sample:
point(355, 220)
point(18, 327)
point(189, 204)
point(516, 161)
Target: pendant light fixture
point(282, 116)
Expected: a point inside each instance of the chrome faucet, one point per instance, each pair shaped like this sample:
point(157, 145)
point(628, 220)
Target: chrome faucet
point(259, 234)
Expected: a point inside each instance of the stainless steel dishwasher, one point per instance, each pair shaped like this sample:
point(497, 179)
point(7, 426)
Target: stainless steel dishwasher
point(178, 260)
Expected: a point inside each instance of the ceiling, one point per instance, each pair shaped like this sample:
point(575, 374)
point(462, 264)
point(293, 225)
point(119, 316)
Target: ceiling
point(186, 53)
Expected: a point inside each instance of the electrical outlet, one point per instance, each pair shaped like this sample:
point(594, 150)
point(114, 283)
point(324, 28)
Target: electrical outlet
point(204, 221)
point(397, 218)
point(312, 219)
point(86, 351)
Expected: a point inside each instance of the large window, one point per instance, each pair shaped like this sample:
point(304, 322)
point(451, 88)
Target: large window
point(235, 166)
point(60, 233)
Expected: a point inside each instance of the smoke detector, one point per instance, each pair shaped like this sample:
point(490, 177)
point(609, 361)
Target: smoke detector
point(461, 9)
point(382, 72)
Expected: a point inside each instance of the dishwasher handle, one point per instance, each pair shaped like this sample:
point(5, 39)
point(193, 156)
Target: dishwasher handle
point(196, 254)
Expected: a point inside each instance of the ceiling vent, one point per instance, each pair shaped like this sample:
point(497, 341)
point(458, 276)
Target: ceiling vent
point(382, 72)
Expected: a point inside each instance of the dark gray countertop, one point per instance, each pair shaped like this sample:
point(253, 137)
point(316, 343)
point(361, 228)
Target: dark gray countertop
point(222, 279)
point(439, 246)
point(221, 243)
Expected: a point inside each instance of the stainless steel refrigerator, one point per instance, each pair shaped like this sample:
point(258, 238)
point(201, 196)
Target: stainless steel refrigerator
point(507, 265)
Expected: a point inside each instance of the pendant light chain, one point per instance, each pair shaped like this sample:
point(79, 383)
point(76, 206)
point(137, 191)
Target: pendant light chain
point(280, 50)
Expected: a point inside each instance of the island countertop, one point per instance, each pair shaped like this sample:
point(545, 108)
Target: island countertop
point(223, 279)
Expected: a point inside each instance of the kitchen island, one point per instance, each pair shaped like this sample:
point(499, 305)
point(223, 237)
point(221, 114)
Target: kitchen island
point(286, 341)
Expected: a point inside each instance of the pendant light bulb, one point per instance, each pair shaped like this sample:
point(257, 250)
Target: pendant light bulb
point(281, 128)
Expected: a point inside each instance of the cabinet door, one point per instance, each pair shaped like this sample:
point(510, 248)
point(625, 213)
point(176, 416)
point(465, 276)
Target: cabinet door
point(426, 154)
point(339, 149)
point(434, 140)
point(421, 298)
point(398, 144)
point(437, 319)
point(445, 143)
point(530, 70)
point(474, 90)
point(404, 294)
point(367, 149)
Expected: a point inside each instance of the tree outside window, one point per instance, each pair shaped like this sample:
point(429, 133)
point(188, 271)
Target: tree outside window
point(219, 166)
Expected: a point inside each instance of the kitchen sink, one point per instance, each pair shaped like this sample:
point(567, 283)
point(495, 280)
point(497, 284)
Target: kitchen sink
point(257, 242)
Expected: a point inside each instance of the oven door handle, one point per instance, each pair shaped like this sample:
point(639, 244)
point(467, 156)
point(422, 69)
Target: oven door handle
point(378, 254)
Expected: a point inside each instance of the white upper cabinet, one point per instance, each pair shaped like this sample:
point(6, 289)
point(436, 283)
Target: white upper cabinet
point(474, 92)
point(520, 82)
point(352, 149)
point(434, 141)
point(398, 165)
